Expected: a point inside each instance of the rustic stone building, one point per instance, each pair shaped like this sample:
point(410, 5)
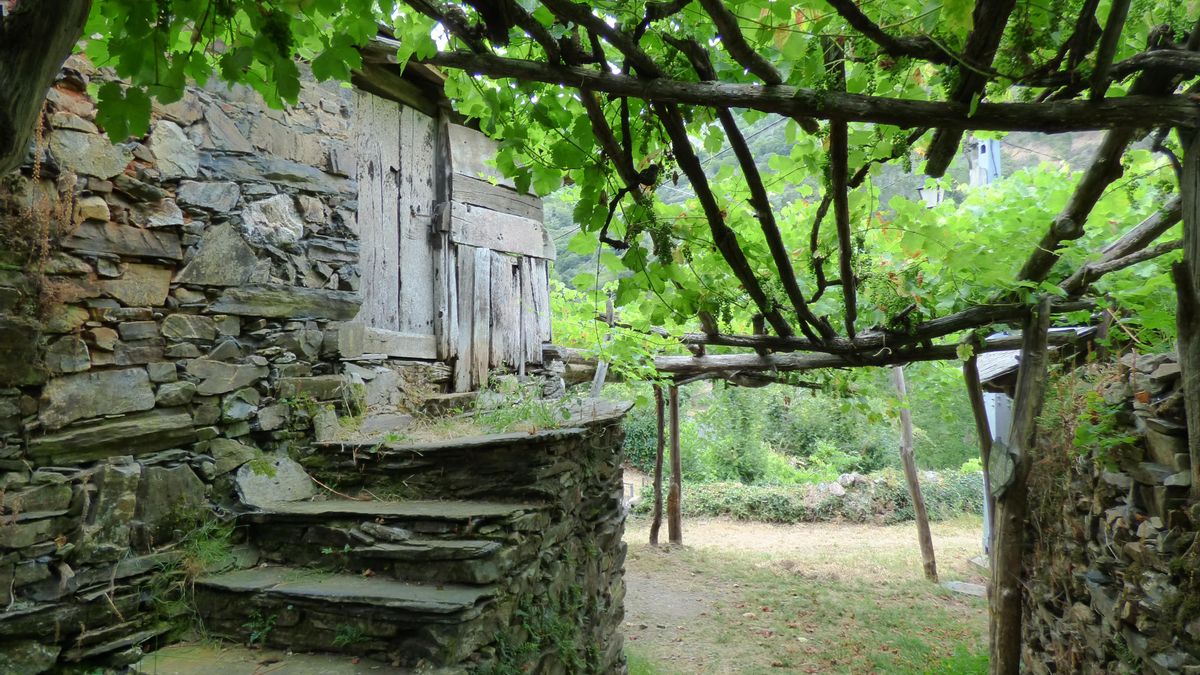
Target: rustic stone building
point(184, 316)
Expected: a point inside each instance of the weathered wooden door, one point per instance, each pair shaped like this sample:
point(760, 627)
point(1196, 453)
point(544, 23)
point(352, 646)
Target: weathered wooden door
point(396, 147)
point(499, 253)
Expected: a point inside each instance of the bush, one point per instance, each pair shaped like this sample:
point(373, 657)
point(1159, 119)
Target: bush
point(881, 499)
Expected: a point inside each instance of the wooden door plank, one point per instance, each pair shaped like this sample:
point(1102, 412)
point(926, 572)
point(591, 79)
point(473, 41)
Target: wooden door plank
point(477, 192)
point(541, 298)
point(481, 321)
point(417, 138)
point(477, 226)
point(465, 308)
point(445, 324)
point(531, 342)
point(471, 153)
point(376, 125)
point(398, 344)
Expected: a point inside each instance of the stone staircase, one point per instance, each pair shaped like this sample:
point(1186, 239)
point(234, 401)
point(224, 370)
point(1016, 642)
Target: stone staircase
point(442, 543)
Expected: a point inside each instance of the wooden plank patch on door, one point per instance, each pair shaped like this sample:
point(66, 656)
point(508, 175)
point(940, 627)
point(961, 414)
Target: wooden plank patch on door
point(485, 228)
point(377, 126)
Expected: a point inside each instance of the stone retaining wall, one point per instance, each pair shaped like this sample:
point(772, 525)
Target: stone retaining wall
point(1114, 558)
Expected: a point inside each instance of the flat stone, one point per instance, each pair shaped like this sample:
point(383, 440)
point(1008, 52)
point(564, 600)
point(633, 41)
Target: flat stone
point(166, 494)
point(125, 240)
point(239, 406)
point(27, 657)
point(220, 378)
point(88, 154)
point(67, 120)
point(223, 258)
point(225, 657)
point(54, 497)
point(455, 511)
point(273, 221)
point(162, 372)
point(19, 362)
point(278, 479)
point(103, 338)
point(442, 549)
point(62, 319)
point(68, 354)
point(93, 394)
point(141, 285)
point(385, 423)
point(138, 353)
point(320, 387)
point(106, 533)
point(290, 302)
point(91, 208)
point(230, 454)
point(133, 434)
point(164, 213)
point(138, 330)
point(139, 190)
point(189, 327)
point(174, 153)
point(257, 168)
point(228, 349)
point(273, 417)
point(218, 197)
point(284, 582)
point(174, 394)
point(223, 134)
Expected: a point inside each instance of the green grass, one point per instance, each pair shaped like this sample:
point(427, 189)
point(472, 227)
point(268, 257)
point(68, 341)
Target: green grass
point(800, 605)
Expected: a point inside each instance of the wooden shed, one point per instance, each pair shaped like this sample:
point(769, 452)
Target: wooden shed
point(454, 260)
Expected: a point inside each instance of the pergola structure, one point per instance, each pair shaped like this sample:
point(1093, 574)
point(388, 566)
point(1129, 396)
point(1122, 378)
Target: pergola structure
point(616, 62)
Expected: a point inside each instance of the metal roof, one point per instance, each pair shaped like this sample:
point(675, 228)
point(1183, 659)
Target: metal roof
point(994, 365)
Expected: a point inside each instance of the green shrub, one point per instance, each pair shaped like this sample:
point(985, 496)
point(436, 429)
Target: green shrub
point(881, 498)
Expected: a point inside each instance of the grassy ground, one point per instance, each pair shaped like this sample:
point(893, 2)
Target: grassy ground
point(755, 598)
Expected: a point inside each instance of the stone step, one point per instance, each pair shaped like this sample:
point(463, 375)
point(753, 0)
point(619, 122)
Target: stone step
point(427, 511)
point(308, 610)
point(371, 548)
point(440, 405)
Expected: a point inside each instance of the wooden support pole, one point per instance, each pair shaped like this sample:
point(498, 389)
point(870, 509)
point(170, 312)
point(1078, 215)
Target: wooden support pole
point(1009, 469)
point(909, 462)
point(1187, 289)
point(675, 495)
point(656, 523)
point(984, 432)
point(602, 367)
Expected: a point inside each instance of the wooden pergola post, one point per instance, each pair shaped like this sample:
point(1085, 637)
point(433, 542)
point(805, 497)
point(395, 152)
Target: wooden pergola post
point(1009, 468)
point(656, 523)
point(983, 430)
point(675, 495)
point(909, 461)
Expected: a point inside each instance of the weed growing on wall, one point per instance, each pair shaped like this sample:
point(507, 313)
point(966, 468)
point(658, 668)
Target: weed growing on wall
point(206, 546)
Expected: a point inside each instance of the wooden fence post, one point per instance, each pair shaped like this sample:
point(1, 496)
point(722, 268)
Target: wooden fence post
point(909, 462)
point(656, 523)
point(675, 495)
point(983, 430)
point(1009, 469)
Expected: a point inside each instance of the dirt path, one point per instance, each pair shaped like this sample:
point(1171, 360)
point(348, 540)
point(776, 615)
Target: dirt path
point(751, 597)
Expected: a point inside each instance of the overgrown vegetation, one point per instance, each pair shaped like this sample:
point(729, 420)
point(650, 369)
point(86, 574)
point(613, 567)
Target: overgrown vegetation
point(544, 624)
point(206, 546)
point(884, 500)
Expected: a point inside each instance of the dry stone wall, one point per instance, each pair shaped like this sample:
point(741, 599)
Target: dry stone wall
point(1114, 563)
point(171, 322)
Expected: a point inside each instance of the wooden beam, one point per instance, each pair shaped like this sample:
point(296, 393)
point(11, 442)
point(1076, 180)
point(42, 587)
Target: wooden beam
point(983, 433)
point(659, 447)
point(909, 462)
point(675, 495)
point(1056, 116)
point(35, 39)
point(1010, 483)
point(1187, 289)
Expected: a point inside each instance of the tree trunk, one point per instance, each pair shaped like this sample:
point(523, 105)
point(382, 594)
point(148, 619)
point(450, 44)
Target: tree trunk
point(656, 523)
point(909, 461)
point(675, 496)
point(982, 429)
point(1187, 289)
point(36, 36)
point(1010, 482)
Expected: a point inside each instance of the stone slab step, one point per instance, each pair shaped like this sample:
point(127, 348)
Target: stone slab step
point(231, 659)
point(306, 610)
point(421, 550)
point(431, 510)
point(293, 584)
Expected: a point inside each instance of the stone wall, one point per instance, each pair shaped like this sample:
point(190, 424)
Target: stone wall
point(1114, 559)
point(171, 323)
